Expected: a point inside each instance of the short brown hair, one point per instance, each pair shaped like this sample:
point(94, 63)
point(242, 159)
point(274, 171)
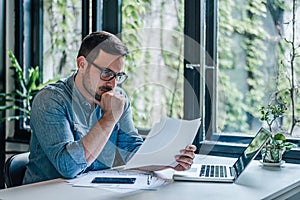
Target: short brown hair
point(96, 41)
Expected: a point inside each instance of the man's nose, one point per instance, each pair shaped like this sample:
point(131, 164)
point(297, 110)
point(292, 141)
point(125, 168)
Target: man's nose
point(112, 83)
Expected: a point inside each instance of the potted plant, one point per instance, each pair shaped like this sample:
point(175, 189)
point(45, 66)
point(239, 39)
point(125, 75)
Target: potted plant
point(19, 100)
point(277, 145)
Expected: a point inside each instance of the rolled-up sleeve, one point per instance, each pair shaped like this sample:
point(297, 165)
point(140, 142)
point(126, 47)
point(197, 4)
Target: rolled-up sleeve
point(52, 128)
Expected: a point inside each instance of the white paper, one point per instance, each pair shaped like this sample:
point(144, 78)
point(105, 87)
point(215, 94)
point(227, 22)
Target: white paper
point(164, 142)
point(144, 181)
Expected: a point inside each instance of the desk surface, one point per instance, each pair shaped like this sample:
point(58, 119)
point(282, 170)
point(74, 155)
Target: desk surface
point(256, 182)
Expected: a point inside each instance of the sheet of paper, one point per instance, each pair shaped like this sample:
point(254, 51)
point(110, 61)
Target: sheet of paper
point(144, 181)
point(164, 142)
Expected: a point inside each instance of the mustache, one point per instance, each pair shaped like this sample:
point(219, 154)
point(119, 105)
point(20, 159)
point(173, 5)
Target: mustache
point(103, 89)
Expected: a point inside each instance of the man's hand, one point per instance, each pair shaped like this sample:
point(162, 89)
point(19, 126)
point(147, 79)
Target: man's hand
point(186, 157)
point(112, 104)
point(185, 160)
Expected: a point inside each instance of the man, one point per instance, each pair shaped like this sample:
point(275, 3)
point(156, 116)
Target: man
point(79, 122)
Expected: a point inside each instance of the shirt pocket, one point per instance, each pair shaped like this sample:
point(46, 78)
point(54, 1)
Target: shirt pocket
point(79, 131)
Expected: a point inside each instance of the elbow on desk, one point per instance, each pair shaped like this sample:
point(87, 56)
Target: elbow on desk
point(69, 166)
point(68, 175)
point(69, 172)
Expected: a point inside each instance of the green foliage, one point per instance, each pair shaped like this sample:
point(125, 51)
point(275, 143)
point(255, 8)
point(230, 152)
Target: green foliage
point(244, 46)
point(288, 66)
point(270, 114)
point(233, 106)
point(243, 23)
point(20, 98)
point(132, 11)
point(63, 33)
point(146, 91)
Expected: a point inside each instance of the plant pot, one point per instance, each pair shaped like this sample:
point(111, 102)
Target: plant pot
point(272, 154)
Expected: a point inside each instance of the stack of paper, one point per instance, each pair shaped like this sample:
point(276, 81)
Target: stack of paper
point(143, 181)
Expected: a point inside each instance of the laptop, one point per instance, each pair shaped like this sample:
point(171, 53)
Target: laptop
point(225, 173)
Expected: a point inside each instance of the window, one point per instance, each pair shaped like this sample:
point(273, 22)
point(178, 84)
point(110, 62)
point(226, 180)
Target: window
point(2, 86)
point(66, 23)
point(153, 31)
point(210, 59)
point(254, 68)
point(62, 37)
point(254, 62)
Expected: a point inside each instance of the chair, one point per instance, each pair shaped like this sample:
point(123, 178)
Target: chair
point(14, 169)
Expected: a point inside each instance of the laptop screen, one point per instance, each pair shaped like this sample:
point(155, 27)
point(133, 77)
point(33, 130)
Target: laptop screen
point(252, 150)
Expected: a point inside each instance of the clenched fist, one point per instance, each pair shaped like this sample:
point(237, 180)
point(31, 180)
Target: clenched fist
point(112, 104)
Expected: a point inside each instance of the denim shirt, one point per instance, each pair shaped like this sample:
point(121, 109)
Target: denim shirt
point(60, 117)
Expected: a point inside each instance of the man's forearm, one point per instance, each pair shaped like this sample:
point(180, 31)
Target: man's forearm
point(96, 139)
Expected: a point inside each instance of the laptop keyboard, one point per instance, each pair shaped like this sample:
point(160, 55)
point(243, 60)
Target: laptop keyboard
point(213, 171)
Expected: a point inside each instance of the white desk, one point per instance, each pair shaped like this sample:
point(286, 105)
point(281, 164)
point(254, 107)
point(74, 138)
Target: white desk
point(256, 182)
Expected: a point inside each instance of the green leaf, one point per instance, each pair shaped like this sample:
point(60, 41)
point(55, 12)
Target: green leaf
point(18, 70)
point(279, 136)
point(33, 77)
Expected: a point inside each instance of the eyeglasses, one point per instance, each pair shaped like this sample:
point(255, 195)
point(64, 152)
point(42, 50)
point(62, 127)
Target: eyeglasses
point(107, 74)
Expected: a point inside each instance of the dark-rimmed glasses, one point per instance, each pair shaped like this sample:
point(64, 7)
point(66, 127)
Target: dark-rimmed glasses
point(107, 74)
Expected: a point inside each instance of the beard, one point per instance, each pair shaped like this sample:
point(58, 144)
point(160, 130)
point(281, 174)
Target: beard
point(97, 94)
point(100, 91)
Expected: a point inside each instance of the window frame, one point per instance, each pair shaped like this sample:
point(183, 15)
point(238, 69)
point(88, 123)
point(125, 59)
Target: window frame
point(2, 86)
point(28, 48)
point(200, 26)
point(213, 143)
point(200, 20)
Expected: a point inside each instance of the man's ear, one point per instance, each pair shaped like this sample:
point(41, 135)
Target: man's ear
point(81, 62)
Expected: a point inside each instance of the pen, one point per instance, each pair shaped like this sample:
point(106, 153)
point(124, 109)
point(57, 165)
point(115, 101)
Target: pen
point(149, 179)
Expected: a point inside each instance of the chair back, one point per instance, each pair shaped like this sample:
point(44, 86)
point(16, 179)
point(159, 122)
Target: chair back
point(14, 169)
